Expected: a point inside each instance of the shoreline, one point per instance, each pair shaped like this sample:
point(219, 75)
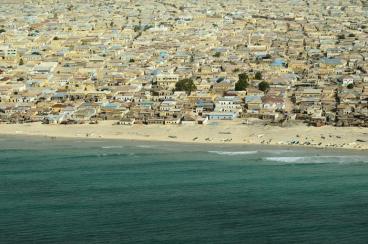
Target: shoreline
point(210, 147)
point(217, 133)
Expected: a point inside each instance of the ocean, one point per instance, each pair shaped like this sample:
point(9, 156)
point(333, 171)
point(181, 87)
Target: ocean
point(106, 191)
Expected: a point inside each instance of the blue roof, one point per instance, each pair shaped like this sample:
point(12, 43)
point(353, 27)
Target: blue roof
point(48, 91)
point(278, 62)
point(331, 61)
point(60, 94)
point(111, 105)
point(222, 114)
point(146, 102)
point(116, 46)
point(164, 53)
point(155, 72)
point(202, 103)
point(261, 55)
point(220, 49)
point(252, 98)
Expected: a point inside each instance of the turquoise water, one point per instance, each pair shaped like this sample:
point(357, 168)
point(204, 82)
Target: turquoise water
point(60, 191)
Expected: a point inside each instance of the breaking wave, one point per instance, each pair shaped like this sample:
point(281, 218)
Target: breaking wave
point(111, 147)
point(110, 154)
point(145, 146)
point(233, 153)
point(319, 159)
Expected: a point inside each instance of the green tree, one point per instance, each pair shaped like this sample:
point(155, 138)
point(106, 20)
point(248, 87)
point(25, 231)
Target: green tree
point(242, 83)
point(147, 27)
point(350, 86)
point(341, 36)
point(186, 85)
point(137, 28)
point(236, 70)
point(243, 76)
point(217, 55)
point(191, 58)
point(263, 86)
point(258, 75)
point(2, 30)
point(21, 62)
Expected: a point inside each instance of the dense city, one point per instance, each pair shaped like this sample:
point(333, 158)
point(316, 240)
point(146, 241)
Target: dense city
point(184, 62)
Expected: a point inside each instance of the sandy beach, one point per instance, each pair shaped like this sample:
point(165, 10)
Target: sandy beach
point(223, 132)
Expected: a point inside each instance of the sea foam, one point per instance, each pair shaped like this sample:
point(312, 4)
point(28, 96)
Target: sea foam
point(145, 146)
point(319, 159)
point(111, 147)
point(230, 153)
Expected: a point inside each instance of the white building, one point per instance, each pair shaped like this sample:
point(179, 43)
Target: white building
point(6, 51)
point(166, 80)
point(347, 80)
point(227, 104)
point(45, 67)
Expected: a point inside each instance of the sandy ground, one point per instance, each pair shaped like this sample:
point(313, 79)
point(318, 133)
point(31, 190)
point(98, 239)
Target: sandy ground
point(225, 132)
